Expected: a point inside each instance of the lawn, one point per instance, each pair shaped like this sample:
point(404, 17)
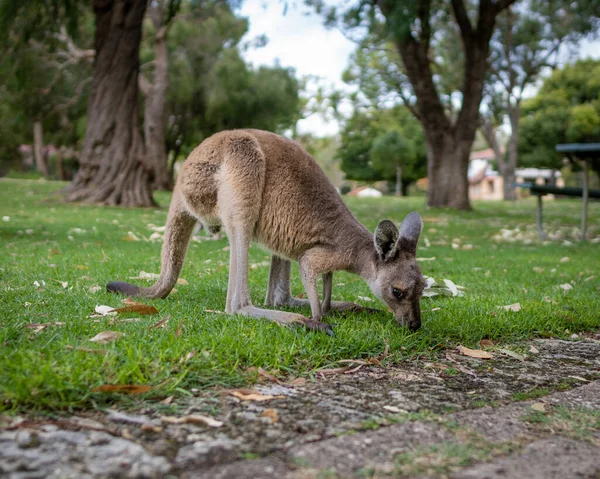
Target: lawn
point(76, 250)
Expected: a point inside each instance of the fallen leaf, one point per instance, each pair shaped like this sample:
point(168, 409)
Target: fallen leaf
point(426, 259)
point(486, 343)
point(130, 237)
point(94, 289)
point(104, 310)
point(297, 382)
point(80, 266)
point(252, 395)
point(537, 269)
point(162, 323)
point(179, 329)
point(350, 371)
point(192, 419)
point(566, 287)
point(134, 307)
point(182, 281)
point(271, 414)
point(512, 307)
point(41, 284)
point(364, 298)
point(189, 356)
point(265, 374)
point(579, 378)
point(167, 400)
point(533, 349)
point(538, 406)
point(474, 353)
point(151, 428)
point(214, 311)
point(393, 409)
point(38, 327)
point(125, 434)
point(106, 337)
point(332, 370)
point(564, 259)
point(512, 354)
point(589, 278)
point(123, 388)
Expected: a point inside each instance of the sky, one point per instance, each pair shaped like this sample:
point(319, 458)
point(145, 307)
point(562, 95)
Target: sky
point(298, 39)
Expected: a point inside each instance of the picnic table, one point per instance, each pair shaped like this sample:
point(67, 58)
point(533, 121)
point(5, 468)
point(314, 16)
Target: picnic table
point(585, 152)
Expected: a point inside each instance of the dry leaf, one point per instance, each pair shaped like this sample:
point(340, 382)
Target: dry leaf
point(86, 350)
point(94, 289)
point(486, 343)
point(38, 327)
point(162, 323)
point(106, 336)
point(589, 278)
point(167, 400)
point(130, 237)
point(538, 406)
point(123, 388)
point(179, 329)
point(103, 310)
point(474, 353)
point(566, 287)
point(80, 266)
point(533, 349)
point(350, 371)
point(393, 409)
point(512, 307)
point(512, 354)
point(182, 281)
point(252, 395)
point(151, 428)
point(538, 269)
point(189, 355)
point(265, 374)
point(332, 370)
point(297, 382)
point(271, 414)
point(579, 378)
point(134, 307)
point(192, 419)
point(564, 259)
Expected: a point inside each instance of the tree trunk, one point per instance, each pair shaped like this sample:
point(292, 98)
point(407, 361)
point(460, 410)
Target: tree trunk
point(154, 114)
point(398, 180)
point(60, 167)
point(113, 169)
point(41, 160)
point(510, 165)
point(447, 168)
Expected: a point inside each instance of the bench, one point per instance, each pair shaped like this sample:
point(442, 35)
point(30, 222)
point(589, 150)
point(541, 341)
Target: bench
point(542, 190)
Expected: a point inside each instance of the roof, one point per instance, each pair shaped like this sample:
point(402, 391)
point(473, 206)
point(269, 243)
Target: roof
point(487, 154)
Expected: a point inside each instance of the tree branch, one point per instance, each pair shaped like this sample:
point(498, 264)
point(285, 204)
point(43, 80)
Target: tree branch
point(460, 12)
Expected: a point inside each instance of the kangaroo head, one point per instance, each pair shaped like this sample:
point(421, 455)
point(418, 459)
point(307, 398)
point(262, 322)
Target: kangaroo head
point(398, 280)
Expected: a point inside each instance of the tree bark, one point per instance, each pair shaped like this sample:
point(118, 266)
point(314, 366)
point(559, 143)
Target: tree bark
point(510, 165)
point(399, 180)
point(447, 167)
point(41, 160)
point(60, 167)
point(155, 95)
point(113, 168)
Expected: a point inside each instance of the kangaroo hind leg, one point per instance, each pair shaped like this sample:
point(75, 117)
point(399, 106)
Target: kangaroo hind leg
point(178, 231)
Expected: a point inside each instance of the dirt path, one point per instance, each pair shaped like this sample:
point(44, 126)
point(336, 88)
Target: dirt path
point(458, 417)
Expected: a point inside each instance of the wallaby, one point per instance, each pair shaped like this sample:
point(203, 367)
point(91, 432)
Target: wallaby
point(264, 187)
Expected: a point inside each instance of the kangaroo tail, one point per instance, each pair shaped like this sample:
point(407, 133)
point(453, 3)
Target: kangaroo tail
point(178, 232)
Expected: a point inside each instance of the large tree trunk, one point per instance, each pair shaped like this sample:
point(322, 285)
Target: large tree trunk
point(113, 169)
point(155, 95)
point(447, 167)
point(41, 160)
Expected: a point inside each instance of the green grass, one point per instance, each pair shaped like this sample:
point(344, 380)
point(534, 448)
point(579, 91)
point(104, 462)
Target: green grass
point(41, 242)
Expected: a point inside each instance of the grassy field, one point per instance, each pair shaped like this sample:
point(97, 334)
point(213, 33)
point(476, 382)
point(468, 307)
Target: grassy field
point(75, 249)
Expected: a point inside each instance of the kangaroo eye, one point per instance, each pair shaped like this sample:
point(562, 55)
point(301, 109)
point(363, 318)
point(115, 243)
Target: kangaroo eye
point(397, 293)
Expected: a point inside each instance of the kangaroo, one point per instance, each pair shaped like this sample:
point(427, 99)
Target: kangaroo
point(264, 187)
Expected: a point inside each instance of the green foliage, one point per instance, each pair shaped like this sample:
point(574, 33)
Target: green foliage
point(374, 142)
point(565, 110)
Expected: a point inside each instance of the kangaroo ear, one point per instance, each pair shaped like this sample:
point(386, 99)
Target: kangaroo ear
point(410, 230)
point(386, 240)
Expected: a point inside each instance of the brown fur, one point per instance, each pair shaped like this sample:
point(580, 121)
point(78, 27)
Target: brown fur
point(263, 187)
